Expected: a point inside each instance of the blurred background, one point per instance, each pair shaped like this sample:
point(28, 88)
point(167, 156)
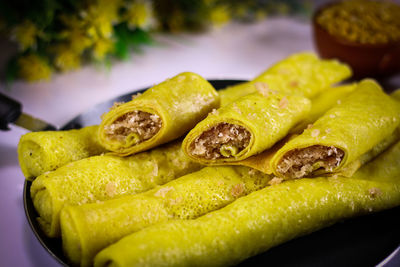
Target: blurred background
point(59, 58)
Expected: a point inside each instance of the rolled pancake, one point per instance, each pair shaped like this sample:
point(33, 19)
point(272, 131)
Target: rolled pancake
point(365, 119)
point(105, 177)
point(302, 73)
point(162, 113)
point(245, 127)
point(263, 219)
point(323, 102)
point(40, 152)
point(89, 228)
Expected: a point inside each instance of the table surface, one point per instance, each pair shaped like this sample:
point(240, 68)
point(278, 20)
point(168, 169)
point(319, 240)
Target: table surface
point(236, 51)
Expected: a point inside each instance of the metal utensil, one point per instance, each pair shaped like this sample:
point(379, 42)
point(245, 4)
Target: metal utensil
point(11, 112)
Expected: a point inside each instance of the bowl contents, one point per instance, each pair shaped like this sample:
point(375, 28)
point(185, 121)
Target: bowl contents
point(362, 21)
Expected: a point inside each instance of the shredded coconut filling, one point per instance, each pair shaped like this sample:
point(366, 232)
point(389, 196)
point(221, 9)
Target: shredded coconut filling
point(224, 140)
point(298, 163)
point(142, 125)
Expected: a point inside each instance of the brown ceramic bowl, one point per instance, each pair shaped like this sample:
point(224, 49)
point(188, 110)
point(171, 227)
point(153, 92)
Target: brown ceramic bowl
point(366, 60)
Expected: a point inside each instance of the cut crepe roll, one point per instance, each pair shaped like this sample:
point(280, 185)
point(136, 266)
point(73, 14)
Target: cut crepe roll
point(40, 152)
point(302, 73)
point(161, 114)
point(105, 177)
point(367, 118)
point(263, 219)
point(245, 127)
point(89, 228)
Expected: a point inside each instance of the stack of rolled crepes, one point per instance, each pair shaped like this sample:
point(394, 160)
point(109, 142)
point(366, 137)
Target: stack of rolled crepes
point(105, 177)
point(88, 180)
point(261, 220)
point(109, 176)
point(96, 201)
point(87, 229)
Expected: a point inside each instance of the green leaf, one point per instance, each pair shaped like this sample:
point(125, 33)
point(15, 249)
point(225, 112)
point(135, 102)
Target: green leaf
point(140, 37)
point(126, 39)
point(11, 72)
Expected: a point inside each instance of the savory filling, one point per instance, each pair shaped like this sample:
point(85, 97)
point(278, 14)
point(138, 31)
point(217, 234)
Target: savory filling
point(298, 163)
point(221, 141)
point(138, 125)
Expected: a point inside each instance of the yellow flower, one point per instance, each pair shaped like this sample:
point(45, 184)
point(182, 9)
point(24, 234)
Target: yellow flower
point(79, 41)
point(220, 15)
point(76, 33)
point(66, 59)
point(92, 32)
point(25, 34)
point(102, 47)
point(109, 9)
point(140, 14)
point(102, 15)
point(33, 68)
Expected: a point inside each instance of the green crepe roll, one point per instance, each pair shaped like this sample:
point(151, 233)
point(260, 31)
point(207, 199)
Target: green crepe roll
point(105, 177)
point(234, 92)
point(263, 219)
point(245, 127)
point(40, 152)
point(301, 73)
point(89, 228)
point(323, 102)
point(350, 131)
point(305, 74)
point(163, 113)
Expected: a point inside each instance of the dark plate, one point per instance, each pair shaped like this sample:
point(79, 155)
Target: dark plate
point(364, 241)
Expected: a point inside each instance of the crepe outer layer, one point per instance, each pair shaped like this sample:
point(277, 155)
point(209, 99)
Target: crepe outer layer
point(105, 177)
point(355, 125)
point(302, 73)
point(323, 102)
point(40, 152)
point(268, 118)
point(89, 228)
point(179, 103)
point(261, 220)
